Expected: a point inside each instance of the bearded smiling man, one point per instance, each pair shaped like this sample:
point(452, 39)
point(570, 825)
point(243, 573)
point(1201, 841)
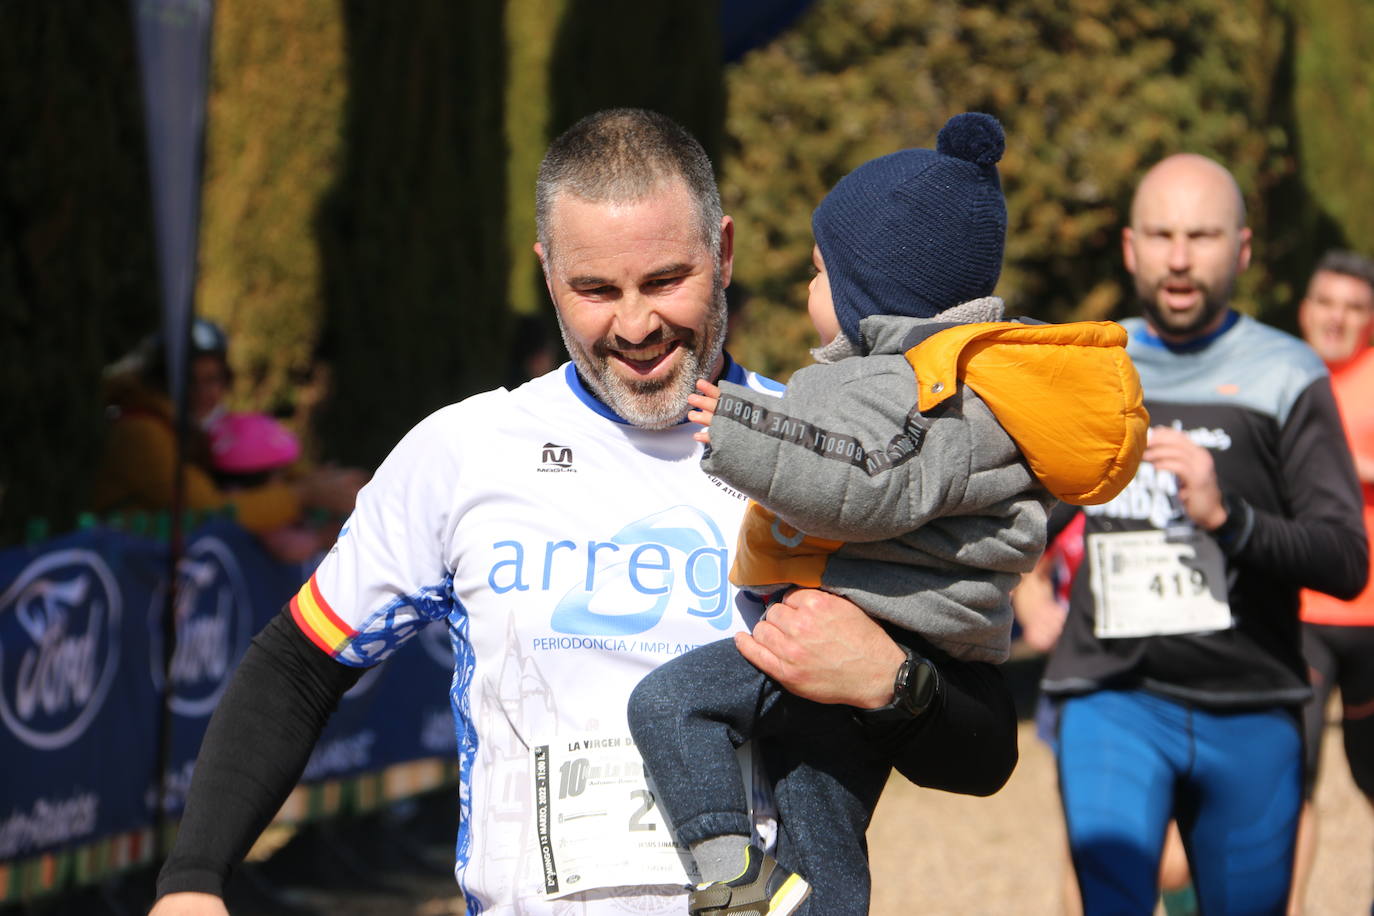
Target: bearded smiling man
point(1179, 675)
point(629, 302)
point(561, 590)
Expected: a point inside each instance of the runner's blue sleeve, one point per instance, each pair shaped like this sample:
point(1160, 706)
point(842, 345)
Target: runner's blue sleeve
point(254, 751)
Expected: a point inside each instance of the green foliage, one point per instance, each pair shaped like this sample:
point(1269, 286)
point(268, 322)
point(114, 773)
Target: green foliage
point(1090, 92)
point(273, 146)
point(1333, 108)
point(77, 281)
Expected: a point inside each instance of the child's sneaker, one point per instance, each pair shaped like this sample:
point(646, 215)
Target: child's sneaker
point(764, 888)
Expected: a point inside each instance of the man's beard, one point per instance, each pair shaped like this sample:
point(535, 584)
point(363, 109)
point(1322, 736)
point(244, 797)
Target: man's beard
point(1214, 302)
point(658, 403)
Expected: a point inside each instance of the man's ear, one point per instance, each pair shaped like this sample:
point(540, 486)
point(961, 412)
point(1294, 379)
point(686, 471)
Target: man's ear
point(544, 266)
point(1128, 248)
point(727, 249)
point(1243, 257)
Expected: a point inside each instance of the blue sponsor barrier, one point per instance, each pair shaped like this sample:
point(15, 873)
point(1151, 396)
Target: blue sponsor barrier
point(81, 688)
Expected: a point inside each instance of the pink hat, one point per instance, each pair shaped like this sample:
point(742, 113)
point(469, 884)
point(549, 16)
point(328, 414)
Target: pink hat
point(247, 443)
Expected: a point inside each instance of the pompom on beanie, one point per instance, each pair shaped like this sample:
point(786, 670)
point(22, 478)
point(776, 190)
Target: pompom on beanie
point(917, 231)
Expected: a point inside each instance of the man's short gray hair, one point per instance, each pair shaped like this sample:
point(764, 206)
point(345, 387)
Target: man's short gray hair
point(1350, 263)
point(622, 155)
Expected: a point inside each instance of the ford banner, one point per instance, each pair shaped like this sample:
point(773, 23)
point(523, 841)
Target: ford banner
point(81, 681)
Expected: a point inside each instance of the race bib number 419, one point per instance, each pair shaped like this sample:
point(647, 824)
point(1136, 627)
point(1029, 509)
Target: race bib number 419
point(597, 820)
point(1147, 584)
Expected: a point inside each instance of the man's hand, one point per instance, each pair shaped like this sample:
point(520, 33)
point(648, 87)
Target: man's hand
point(705, 408)
point(189, 904)
point(822, 647)
point(1037, 610)
point(1171, 450)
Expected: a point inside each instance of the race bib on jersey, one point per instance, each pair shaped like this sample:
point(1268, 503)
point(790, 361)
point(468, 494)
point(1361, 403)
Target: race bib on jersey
point(597, 820)
point(1149, 583)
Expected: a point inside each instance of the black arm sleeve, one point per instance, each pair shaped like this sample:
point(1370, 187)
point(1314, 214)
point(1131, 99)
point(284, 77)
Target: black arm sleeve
point(1322, 546)
point(253, 753)
point(966, 743)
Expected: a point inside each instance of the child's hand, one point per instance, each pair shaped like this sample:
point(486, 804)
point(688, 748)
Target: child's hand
point(705, 404)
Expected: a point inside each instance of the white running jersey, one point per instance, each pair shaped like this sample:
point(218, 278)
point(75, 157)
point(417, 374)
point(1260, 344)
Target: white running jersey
point(569, 553)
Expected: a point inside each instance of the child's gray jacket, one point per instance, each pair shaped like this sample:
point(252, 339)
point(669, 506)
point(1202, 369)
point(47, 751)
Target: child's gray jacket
point(927, 518)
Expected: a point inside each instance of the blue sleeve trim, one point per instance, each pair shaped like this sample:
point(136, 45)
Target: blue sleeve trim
point(381, 634)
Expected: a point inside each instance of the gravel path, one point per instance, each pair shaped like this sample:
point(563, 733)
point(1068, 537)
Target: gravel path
point(935, 853)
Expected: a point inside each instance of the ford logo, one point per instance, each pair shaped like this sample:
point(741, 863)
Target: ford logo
point(214, 623)
point(59, 631)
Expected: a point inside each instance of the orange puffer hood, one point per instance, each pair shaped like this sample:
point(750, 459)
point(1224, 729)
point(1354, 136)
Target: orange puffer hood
point(1066, 393)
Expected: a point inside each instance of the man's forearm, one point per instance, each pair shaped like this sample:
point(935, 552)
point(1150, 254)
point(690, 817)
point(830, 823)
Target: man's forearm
point(966, 743)
point(823, 648)
point(253, 753)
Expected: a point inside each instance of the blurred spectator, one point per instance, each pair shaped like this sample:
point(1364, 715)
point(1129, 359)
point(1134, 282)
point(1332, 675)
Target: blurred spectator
point(210, 377)
point(1336, 317)
point(138, 468)
point(250, 450)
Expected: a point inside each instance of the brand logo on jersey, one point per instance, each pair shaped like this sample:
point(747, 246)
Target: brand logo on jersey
point(556, 458)
point(675, 560)
point(60, 620)
point(1216, 439)
point(214, 624)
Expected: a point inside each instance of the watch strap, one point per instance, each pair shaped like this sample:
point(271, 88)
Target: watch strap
point(913, 692)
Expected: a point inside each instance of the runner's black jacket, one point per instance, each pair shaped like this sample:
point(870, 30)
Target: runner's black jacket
point(1261, 402)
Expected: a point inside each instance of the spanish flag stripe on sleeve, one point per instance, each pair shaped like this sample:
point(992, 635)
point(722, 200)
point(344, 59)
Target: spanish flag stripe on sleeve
point(317, 619)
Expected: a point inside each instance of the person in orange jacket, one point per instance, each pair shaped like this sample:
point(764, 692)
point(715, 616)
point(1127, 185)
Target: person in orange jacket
point(1336, 318)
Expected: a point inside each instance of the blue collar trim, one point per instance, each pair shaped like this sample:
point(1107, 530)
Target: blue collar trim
point(733, 372)
point(1150, 338)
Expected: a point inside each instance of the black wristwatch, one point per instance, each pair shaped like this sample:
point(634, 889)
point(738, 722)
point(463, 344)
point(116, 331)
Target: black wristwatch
point(913, 692)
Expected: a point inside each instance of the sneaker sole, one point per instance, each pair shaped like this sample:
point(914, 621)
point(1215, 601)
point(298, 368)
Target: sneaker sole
point(789, 897)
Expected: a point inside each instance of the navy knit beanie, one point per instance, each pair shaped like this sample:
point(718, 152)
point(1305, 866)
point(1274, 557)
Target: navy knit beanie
point(917, 231)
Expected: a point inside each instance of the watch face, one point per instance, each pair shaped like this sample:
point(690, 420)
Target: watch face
point(913, 691)
point(915, 686)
